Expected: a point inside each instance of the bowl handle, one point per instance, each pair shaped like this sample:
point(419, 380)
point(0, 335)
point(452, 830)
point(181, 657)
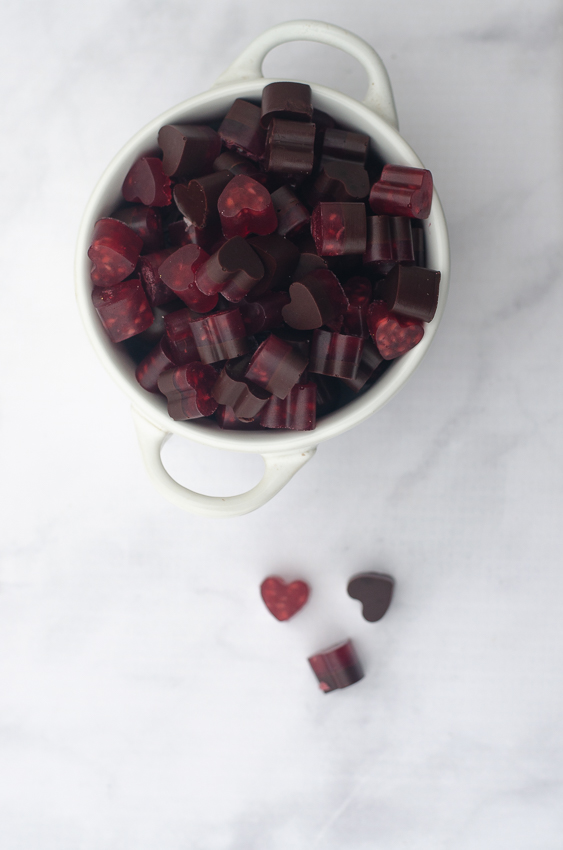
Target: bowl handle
point(280, 467)
point(248, 66)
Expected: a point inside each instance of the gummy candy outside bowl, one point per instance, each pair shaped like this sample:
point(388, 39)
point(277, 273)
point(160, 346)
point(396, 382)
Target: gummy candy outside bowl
point(284, 452)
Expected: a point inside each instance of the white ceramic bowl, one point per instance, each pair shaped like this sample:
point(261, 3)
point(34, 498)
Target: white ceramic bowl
point(284, 452)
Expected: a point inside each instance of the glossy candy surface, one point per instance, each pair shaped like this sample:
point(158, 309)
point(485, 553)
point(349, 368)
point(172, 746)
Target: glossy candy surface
point(279, 257)
point(114, 251)
point(146, 183)
point(241, 129)
point(392, 334)
point(411, 292)
point(263, 314)
point(146, 222)
point(402, 191)
point(156, 290)
point(178, 272)
point(178, 339)
point(152, 366)
point(339, 228)
point(291, 101)
point(233, 270)
point(358, 291)
point(335, 354)
point(281, 599)
point(297, 411)
point(337, 667)
point(339, 181)
point(233, 390)
point(290, 148)
point(188, 150)
point(245, 206)
point(197, 200)
point(318, 299)
point(123, 309)
point(188, 390)
point(220, 336)
point(345, 145)
point(292, 214)
point(370, 360)
point(276, 366)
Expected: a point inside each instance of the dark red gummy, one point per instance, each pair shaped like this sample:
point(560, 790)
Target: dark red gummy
point(242, 131)
point(146, 222)
point(188, 390)
point(178, 272)
point(152, 366)
point(281, 599)
point(197, 201)
point(183, 233)
point(188, 149)
point(290, 148)
point(287, 100)
point(227, 420)
point(123, 309)
point(114, 251)
point(374, 591)
point(358, 292)
point(232, 389)
point(411, 292)
point(276, 366)
point(318, 299)
point(220, 336)
point(401, 239)
point(370, 361)
point(402, 191)
point(392, 334)
point(339, 181)
point(146, 183)
point(292, 215)
point(233, 270)
point(279, 257)
point(335, 354)
point(157, 291)
point(238, 164)
point(245, 206)
point(339, 228)
point(296, 412)
point(263, 314)
point(178, 340)
point(337, 667)
point(378, 255)
point(345, 145)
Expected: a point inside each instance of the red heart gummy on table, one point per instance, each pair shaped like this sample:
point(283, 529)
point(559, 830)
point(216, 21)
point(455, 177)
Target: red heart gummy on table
point(281, 599)
point(392, 335)
point(188, 390)
point(146, 183)
point(245, 206)
point(114, 251)
point(402, 190)
point(337, 667)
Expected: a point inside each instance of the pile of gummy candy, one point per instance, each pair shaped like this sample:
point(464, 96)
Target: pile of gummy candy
point(265, 272)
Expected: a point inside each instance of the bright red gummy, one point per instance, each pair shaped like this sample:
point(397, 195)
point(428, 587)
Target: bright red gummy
point(297, 411)
point(281, 599)
point(178, 272)
point(392, 335)
point(402, 191)
point(114, 251)
point(188, 390)
point(178, 339)
point(245, 206)
point(123, 309)
point(339, 228)
point(146, 183)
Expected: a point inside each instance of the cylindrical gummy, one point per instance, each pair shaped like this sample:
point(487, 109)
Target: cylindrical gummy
point(220, 336)
point(402, 190)
point(242, 131)
point(291, 101)
point(276, 366)
point(337, 667)
point(114, 251)
point(290, 148)
point(339, 228)
point(335, 354)
point(188, 150)
point(123, 309)
point(188, 390)
point(297, 411)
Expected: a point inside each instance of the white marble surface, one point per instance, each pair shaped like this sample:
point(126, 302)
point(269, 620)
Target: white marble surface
point(147, 699)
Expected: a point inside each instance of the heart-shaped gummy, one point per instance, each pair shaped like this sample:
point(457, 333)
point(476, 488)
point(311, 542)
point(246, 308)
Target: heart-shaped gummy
point(245, 206)
point(281, 599)
point(339, 181)
point(316, 300)
point(188, 390)
point(392, 335)
point(233, 270)
point(375, 591)
point(178, 272)
point(146, 183)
